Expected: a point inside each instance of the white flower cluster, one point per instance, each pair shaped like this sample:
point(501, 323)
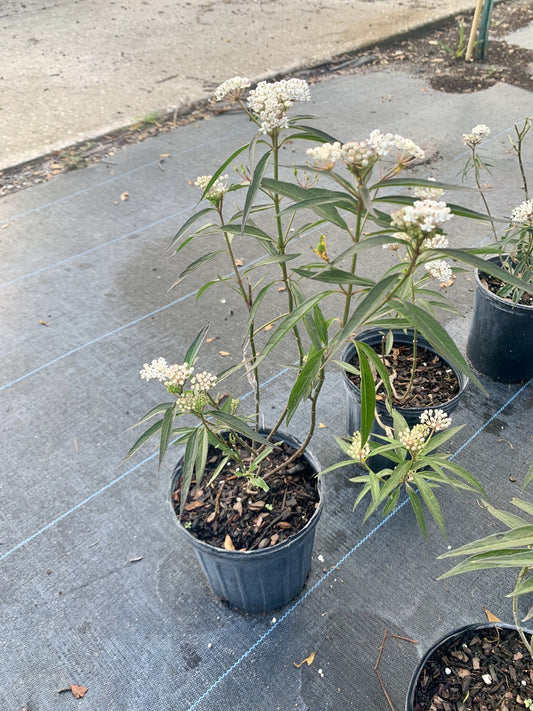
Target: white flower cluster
point(217, 190)
point(427, 193)
point(358, 155)
point(271, 101)
point(357, 452)
point(523, 214)
point(156, 370)
point(477, 134)
point(423, 215)
point(177, 375)
point(439, 269)
point(174, 378)
point(203, 382)
point(325, 156)
point(415, 438)
point(407, 150)
point(436, 420)
point(232, 89)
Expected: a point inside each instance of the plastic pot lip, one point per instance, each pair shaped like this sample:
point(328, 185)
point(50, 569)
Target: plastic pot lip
point(504, 303)
point(449, 637)
point(406, 335)
point(264, 552)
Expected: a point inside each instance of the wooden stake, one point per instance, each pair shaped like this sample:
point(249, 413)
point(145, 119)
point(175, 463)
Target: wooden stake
point(473, 31)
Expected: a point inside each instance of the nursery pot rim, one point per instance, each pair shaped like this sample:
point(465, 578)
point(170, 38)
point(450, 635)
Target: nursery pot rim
point(448, 637)
point(262, 552)
point(462, 379)
point(487, 293)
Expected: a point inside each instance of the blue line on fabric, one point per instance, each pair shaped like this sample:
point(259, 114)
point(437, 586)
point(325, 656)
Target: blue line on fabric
point(117, 177)
point(337, 565)
point(94, 249)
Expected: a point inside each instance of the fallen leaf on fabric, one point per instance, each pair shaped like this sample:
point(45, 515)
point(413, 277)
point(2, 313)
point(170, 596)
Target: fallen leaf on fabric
point(78, 691)
point(281, 288)
point(136, 560)
point(43, 323)
point(239, 262)
point(124, 196)
point(490, 616)
point(228, 543)
point(321, 425)
point(224, 353)
point(444, 284)
point(309, 660)
point(210, 340)
point(4, 227)
point(269, 327)
point(164, 155)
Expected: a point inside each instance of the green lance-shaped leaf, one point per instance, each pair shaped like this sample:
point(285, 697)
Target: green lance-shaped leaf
point(195, 346)
point(189, 462)
point(430, 500)
point(376, 361)
point(407, 182)
point(368, 394)
point(305, 381)
point(216, 175)
point(150, 432)
point(335, 276)
point(528, 479)
point(193, 266)
point(392, 502)
point(166, 432)
point(201, 454)
point(157, 410)
point(417, 508)
point(458, 470)
point(315, 133)
point(525, 587)
point(188, 223)
point(509, 519)
point(515, 538)
point(298, 195)
point(523, 505)
point(482, 264)
point(437, 336)
point(324, 197)
point(488, 561)
point(255, 185)
point(289, 322)
point(237, 425)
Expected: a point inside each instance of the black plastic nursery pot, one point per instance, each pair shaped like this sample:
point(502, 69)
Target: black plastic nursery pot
point(500, 341)
point(258, 580)
point(373, 337)
point(456, 673)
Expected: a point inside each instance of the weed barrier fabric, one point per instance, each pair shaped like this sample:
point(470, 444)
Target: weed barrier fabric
point(97, 589)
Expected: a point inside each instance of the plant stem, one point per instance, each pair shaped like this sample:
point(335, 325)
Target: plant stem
point(518, 623)
point(356, 238)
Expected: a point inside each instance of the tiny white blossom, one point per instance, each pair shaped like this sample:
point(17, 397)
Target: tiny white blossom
point(356, 451)
point(381, 143)
point(477, 134)
point(325, 156)
point(178, 375)
point(358, 155)
point(407, 150)
point(436, 420)
point(202, 382)
point(523, 214)
point(217, 191)
point(156, 370)
point(232, 89)
point(414, 439)
point(271, 101)
point(439, 269)
point(422, 215)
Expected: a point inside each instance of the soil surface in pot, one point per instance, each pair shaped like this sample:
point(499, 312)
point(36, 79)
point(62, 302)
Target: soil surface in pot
point(483, 670)
point(230, 514)
point(494, 285)
point(434, 383)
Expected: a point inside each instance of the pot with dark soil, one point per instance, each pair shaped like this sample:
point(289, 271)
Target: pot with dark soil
point(500, 341)
point(436, 383)
point(254, 546)
point(478, 667)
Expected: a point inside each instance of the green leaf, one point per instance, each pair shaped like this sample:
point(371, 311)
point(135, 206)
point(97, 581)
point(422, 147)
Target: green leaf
point(367, 243)
point(298, 194)
point(314, 133)
point(430, 500)
point(437, 336)
point(305, 381)
point(193, 266)
point(336, 276)
point(237, 425)
point(255, 185)
point(217, 471)
point(483, 265)
point(516, 537)
point(150, 432)
point(417, 508)
point(368, 395)
point(201, 454)
point(488, 561)
point(183, 229)
point(528, 479)
point(376, 361)
point(392, 502)
point(192, 351)
point(223, 167)
point(509, 519)
point(166, 431)
point(525, 587)
point(523, 505)
point(157, 410)
point(189, 461)
point(458, 471)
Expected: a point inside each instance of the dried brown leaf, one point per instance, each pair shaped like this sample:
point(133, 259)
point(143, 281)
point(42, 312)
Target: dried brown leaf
point(78, 691)
point(224, 353)
point(43, 323)
point(228, 543)
point(308, 660)
point(490, 616)
point(125, 195)
point(193, 505)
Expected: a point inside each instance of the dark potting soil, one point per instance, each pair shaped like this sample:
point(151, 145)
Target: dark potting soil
point(435, 382)
point(483, 670)
point(228, 514)
point(494, 285)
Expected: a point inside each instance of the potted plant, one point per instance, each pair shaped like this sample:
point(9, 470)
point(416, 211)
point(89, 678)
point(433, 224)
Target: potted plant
point(501, 333)
point(494, 659)
point(415, 466)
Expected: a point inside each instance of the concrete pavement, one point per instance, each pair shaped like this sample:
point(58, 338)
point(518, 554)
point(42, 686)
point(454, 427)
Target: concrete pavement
point(76, 69)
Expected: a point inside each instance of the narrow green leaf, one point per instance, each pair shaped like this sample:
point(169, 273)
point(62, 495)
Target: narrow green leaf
point(237, 425)
point(192, 351)
point(305, 381)
point(150, 432)
point(368, 395)
point(528, 479)
point(509, 519)
point(523, 505)
point(515, 538)
point(417, 508)
point(157, 410)
point(430, 500)
point(337, 276)
point(392, 502)
point(216, 175)
point(376, 361)
point(189, 460)
point(525, 587)
point(315, 132)
point(188, 223)
point(483, 265)
point(166, 431)
point(201, 454)
point(254, 185)
point(193, 266)
point(489, 561)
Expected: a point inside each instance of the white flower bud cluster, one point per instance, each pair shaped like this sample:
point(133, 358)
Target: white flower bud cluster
point(156, 370)
point(178, 375)
point(439, 269)
point(523, 214)
point(436, 242)
point(436, 420)
point(232, 89)
point(477, 134)
point(360, 454)
point(407, 150)
point(414, 439)
point(203, 382)
point(217, 190)
point(325, 156)
point(271, 101)
point(358, 156)
point(423, 215)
